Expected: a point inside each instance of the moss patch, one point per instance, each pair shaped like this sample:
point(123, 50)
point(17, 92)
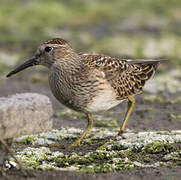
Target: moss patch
point(101, 150)
point(176, 117)
point(154, 99)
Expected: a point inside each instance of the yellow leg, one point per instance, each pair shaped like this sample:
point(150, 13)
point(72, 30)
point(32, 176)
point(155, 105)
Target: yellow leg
point(131, 102)
point(89, 126)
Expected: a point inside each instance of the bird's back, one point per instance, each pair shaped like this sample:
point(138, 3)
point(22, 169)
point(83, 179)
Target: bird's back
point(126, 76)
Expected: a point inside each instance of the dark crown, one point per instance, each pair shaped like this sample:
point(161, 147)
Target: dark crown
point(58, 41)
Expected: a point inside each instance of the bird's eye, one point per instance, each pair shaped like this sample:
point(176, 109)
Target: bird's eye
point(48, 49)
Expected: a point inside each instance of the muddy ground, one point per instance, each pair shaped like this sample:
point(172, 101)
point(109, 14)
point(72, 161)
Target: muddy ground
point(150, 114)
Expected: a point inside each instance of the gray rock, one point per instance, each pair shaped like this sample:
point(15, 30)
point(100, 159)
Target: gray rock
point(24, 114)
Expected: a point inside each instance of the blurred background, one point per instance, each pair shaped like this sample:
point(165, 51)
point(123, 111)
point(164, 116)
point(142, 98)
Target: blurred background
point(141, 29)
point(121, 28)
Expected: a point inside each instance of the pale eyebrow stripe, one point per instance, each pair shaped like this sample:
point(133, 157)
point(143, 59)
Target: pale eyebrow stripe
point(58, 45)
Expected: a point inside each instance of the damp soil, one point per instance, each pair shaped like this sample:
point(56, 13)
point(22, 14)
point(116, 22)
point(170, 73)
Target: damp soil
point(148, 115)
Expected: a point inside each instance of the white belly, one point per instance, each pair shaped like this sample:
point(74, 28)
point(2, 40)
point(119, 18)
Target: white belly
point(103, 101)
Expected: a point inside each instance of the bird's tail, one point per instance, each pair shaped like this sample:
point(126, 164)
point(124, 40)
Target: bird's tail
point(147, 68)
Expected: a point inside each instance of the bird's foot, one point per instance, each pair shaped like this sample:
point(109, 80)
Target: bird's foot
point(76, 143)
point(121, 133)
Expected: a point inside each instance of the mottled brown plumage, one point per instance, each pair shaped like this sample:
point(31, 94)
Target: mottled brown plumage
point(58, 41)
point(127, 77)
point(91, 82)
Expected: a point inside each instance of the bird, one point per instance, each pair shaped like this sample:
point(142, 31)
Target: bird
point(91, 82)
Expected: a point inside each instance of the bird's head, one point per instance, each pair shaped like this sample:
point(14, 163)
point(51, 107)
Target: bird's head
point(53, 50)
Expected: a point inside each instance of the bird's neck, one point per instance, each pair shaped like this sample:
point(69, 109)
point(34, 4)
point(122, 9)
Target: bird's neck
point(68, 65)
point(62, 77)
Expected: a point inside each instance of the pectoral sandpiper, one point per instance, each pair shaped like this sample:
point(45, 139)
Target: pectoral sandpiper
point(88, 82)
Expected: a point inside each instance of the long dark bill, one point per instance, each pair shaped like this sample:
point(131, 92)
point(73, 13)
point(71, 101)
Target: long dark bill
point(26, 64)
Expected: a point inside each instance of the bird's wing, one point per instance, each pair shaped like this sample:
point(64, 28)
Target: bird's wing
point(126, 76)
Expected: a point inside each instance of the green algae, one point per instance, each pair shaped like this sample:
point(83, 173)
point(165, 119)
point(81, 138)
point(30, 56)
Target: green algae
point(150, 110)
point(176, 100)
point(154, 99)
point(158, 147)
point(106, 123)
point(145, 149)
point(176, 117)
point(34, 156)
point(71, 114)
point(26, 139)
point(100, 120)
point(161, 100)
